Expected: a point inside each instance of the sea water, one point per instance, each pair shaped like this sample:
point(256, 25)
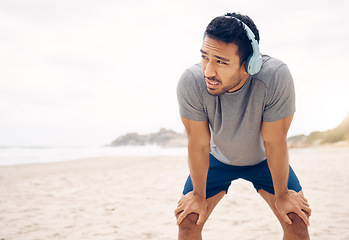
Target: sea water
point(28, 155)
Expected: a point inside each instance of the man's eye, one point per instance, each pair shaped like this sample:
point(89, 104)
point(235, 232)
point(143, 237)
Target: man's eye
point(221, 62)
point(203, 57)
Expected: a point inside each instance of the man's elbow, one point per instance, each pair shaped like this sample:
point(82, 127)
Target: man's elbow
point(199, 146)
point(275, 144)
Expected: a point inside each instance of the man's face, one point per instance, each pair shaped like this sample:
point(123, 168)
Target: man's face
point(221, 67)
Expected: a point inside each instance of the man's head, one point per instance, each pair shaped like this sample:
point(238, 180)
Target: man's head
point(229, 30)
point(224, 52)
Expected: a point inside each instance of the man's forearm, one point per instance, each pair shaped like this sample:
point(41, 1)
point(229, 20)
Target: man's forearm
point(199, 161)
point(277, 155)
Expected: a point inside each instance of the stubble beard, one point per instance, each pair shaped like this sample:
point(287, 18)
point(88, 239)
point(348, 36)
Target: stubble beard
point(224, 89)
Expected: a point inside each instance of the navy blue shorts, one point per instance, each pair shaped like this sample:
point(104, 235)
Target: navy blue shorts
point(220, 176)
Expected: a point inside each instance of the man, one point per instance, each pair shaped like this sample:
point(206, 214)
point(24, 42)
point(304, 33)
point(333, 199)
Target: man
point(237, 107)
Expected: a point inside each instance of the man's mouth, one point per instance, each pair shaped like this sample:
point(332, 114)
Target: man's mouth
point(211, 83)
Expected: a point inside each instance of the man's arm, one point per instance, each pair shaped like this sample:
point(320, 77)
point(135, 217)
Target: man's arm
point(275, 141)
point(198, 133)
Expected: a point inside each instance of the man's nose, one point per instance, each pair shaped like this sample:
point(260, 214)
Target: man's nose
point(209, 70)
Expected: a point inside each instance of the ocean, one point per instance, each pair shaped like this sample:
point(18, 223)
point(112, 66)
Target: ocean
point(28, 155)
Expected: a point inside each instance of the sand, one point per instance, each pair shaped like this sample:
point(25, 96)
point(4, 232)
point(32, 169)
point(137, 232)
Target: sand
point(134, 198)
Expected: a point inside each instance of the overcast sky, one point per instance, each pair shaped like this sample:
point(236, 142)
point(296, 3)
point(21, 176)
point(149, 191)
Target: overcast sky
point(83, 72)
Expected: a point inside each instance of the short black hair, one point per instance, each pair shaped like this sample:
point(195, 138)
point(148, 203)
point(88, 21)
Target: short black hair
point(230, 30)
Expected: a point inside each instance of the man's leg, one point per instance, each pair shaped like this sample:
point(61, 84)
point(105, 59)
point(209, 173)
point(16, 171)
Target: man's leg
point(188, 229)
point(298, 230)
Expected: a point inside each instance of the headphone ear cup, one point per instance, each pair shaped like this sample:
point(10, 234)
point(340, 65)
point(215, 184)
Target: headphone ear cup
point(253, 64)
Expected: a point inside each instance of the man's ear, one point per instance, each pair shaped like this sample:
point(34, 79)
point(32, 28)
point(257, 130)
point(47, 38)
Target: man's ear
point(243, 66)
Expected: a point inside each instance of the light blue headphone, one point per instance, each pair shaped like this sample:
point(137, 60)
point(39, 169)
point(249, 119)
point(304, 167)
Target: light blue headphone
point(254, 61)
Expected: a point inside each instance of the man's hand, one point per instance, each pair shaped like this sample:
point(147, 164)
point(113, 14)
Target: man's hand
point(191, 203)
point(293, 202)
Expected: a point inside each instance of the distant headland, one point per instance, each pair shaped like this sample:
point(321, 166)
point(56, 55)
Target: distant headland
point(163, 138)
point(336, 136)
point(169, 138)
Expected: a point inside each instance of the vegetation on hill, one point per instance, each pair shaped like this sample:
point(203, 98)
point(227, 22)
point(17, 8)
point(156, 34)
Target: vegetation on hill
point(338, 134)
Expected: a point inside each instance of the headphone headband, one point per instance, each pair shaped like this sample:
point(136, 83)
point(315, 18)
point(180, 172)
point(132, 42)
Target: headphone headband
point(254, 61)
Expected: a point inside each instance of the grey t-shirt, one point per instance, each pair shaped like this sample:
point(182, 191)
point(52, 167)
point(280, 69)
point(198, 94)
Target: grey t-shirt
point(235, 118)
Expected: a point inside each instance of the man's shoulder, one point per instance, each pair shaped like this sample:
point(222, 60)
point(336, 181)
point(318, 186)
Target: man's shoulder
point(193, 78)
point(190, 94)
point(195, 72)
point(271, 61)
point(272, 68)
point(196, 69)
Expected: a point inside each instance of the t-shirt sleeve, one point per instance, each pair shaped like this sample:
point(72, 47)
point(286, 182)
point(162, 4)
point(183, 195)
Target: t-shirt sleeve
point(280, 102)
point(190, 99)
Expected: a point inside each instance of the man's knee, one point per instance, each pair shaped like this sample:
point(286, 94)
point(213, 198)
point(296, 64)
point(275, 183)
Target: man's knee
point(189, 223)
point(297, 220)
point(298, 227)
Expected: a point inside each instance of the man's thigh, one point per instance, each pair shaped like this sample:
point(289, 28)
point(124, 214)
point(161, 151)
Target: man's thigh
point(211, 204)
point(219, 178)
point(261, 178)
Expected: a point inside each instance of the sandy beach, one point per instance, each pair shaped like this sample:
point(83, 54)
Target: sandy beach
point(133, 198)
